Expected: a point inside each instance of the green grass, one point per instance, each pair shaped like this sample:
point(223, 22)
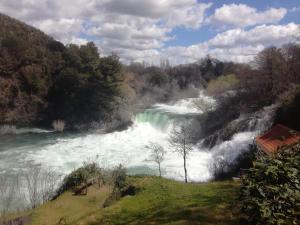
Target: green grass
point(158, 201)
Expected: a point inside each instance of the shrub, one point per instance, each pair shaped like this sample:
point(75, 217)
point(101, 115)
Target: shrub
point(270, 190)
point(58, 125)
point(119, 178)
point(222, 83)
point(120, 186)
point(81, 176)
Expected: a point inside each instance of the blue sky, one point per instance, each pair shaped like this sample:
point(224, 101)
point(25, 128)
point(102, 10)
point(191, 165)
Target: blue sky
point(186, 37)
point(150, 30)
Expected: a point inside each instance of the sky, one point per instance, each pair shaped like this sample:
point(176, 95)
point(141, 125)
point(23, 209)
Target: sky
point(182, 31)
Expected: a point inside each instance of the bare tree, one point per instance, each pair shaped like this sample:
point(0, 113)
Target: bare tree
point(181, 140)
point(157, 154)
point(219, 166)
point(40, 184)
point(31, 178)
point(48, 183)
point(8, 189)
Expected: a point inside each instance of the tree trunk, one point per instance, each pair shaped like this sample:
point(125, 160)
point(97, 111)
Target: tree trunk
point(159, 169)
point(185, 171)
point(184, 162)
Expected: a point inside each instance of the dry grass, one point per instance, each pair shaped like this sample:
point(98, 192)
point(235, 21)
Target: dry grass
point(58, 125)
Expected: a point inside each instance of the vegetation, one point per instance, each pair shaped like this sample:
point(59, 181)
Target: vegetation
point(222, 84)
point(91, 174)
point(119, 186)
point(289, 111)
point(271, 189)
point(43, 80)
point(181, 140)
point(157, 155)
point(275, 73)
point(82, 176)
point(159, 201)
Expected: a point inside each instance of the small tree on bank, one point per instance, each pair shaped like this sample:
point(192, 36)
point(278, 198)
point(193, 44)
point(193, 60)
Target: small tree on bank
point(181, 140)
point(157, 154)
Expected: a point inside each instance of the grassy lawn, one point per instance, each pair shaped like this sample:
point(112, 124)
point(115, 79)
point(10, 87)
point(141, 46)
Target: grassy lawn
point(69, 208)
point(158, 201)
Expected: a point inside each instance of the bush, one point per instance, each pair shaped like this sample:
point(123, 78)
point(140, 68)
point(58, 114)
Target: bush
point(80, 176)
point(120, 186)
point(270, 190)
point(119, 178)
point(58, 125)
point(222, 84)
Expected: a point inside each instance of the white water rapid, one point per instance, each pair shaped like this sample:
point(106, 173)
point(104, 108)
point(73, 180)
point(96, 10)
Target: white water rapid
point(128, 147)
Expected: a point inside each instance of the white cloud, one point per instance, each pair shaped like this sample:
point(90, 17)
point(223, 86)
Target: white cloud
point(116, 25)
point(61, 28)
point(237, 44)
point(188, 16)
point(263, 34)
point(241, 15)
point(139, 29)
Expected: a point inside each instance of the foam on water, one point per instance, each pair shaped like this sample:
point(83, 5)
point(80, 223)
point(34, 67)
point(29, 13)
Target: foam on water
point(187, 106)
point(11, 129)
point(129, 147)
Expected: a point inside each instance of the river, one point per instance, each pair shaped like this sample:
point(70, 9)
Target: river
point(67, 151)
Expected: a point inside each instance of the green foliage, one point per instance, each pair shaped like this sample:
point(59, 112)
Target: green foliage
point(222, 83)
point(43, 80)
point(80, 176)
point(271, 189)
point(85, 90)
point(119, 177)
point(119, 184)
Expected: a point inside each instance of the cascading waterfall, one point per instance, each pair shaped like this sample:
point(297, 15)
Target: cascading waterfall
point(65, 152)
point(69, 151)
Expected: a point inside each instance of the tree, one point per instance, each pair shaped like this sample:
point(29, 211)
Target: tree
point(272, 72)
point(8, 190)
point(40, 184)
point(157, 154)
point(270, 191)
point(222, 84)
point(181, 140)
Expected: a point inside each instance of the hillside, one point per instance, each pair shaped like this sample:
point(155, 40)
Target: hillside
point(24, 74)
point(158, 201)
point(42, 80)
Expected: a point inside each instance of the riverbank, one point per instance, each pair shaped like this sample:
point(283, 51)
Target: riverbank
point(157, 201)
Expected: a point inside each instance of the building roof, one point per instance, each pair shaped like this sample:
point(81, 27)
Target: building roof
point(277, 137)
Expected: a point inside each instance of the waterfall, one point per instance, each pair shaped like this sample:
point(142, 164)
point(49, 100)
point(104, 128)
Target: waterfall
point(257, 123)
point(68, 151)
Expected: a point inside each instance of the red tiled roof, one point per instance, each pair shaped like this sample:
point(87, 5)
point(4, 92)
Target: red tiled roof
point(278, 136)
